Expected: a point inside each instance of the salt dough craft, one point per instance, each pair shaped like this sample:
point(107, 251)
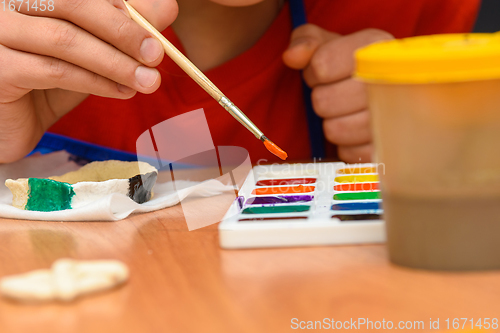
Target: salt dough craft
point(66, 280)
point(90, 183)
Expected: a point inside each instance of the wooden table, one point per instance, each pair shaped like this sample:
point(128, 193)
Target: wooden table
point(181, 281)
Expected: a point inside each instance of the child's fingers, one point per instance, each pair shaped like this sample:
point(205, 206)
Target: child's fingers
point(334, 60)
point(304, 42)
point(349, 130)
point(60, 39)
point(23, 72)
point(356, 154)
point(339, 98)
point(104, 21)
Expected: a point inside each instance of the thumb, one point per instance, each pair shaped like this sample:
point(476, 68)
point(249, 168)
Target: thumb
point(304, 42)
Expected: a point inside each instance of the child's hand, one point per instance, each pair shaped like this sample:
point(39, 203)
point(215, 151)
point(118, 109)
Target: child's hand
point(328, 63)
point(54, 55)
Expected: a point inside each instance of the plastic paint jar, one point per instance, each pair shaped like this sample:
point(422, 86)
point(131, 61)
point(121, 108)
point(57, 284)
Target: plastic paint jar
point(435, 108)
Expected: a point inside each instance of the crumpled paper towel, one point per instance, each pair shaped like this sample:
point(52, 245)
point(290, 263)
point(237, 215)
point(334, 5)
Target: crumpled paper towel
point(113, 207)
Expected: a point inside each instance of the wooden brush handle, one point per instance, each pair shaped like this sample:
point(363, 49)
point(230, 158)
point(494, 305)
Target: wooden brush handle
point(176, 55)
point(197, 75)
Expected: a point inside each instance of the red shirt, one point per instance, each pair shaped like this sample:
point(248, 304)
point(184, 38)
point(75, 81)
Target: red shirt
point(257, 81)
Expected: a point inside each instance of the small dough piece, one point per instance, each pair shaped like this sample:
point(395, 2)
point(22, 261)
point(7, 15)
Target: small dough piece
point(66, 280)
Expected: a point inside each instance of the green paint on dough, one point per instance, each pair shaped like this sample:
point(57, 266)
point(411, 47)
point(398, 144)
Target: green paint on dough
point(357, 196)
point(46, 195)
point(276, 209)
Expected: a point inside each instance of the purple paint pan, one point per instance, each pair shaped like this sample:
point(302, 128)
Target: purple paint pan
point(278, 199)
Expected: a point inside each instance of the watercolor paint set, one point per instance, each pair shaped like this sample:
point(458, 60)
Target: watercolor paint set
point(305, 204)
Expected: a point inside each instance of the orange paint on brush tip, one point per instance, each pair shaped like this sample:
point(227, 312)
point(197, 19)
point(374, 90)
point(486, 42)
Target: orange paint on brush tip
point(273, 148)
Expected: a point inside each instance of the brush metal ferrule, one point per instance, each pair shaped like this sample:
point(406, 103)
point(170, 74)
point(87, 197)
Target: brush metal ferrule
point(240, 116)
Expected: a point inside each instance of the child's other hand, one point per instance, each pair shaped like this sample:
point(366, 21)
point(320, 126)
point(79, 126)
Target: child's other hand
point(328, 63)
point(54, 55)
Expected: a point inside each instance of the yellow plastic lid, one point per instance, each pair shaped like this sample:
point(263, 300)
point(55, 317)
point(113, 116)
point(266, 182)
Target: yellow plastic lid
point(431, 59)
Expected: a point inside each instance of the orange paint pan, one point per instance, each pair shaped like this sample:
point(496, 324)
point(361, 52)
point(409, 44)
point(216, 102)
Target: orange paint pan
point(283, 190)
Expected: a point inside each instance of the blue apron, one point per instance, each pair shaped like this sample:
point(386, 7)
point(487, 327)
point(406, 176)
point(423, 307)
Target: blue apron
point(54, 142)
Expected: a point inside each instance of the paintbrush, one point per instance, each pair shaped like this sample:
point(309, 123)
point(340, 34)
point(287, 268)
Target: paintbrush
point(200, 78)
